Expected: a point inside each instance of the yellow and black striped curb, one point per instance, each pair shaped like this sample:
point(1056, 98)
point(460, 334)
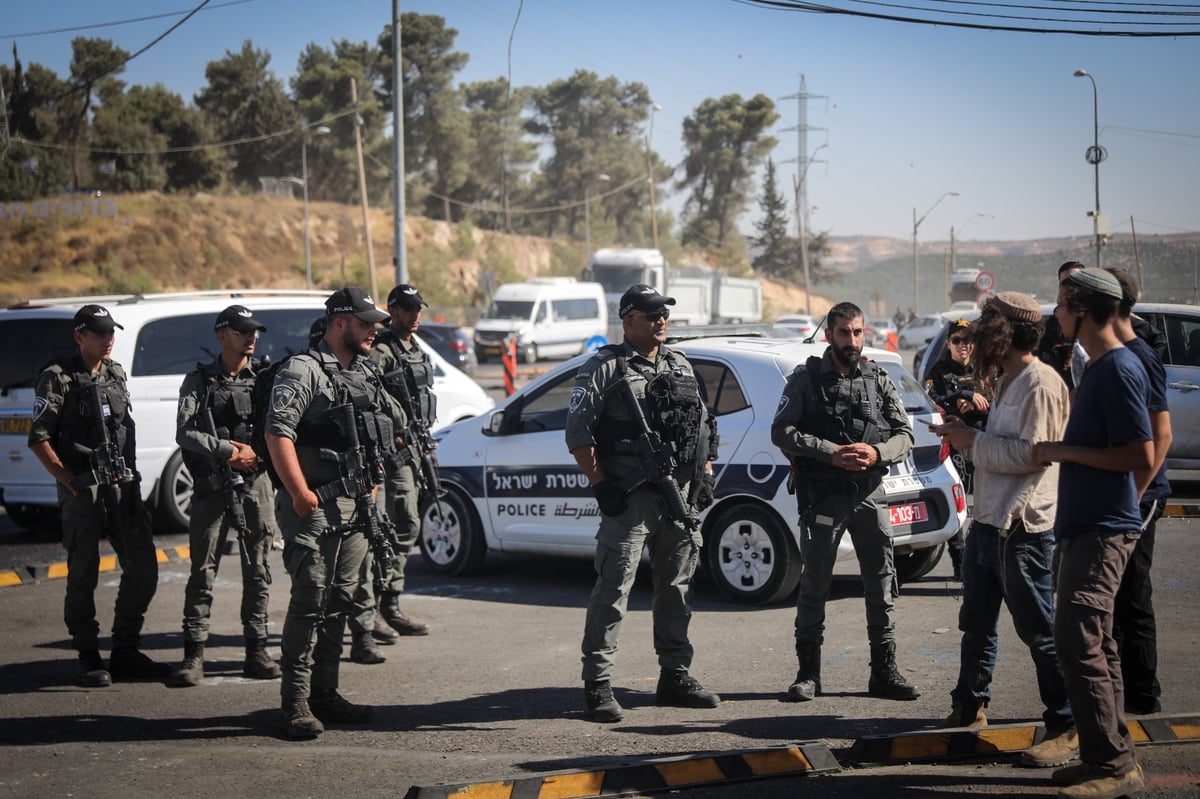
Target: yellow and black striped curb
point(1181, 510)
point(108, 563)
point(646, 777)
point(947, 744)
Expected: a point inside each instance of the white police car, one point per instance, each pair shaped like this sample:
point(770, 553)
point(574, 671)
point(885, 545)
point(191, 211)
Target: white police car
point(513, 487)
point(164, 336)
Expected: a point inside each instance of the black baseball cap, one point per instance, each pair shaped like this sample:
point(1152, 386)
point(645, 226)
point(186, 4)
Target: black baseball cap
point(406, 296)
point(642, 298)
point(353, 300)
point(238, 318)
point(95, 318)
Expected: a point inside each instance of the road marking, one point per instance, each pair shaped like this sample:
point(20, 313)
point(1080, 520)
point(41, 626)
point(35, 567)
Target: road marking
point(948, 744)
point(650, 775)
point(10, 577)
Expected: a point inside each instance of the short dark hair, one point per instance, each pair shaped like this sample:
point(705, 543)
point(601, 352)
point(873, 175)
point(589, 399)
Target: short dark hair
point(1100, 307)
point(843, 310)
point(1129, 290)
point(1068, 265)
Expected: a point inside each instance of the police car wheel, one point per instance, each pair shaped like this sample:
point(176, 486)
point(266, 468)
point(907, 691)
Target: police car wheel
point(174, 501)
point(752, 556)
point(914, 565)
point(451, 539)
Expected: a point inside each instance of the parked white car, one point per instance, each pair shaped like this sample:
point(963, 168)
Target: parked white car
point(797, 325)
point(512, 486)
point(1180, 326)
point(920, 330)
point(165, 336)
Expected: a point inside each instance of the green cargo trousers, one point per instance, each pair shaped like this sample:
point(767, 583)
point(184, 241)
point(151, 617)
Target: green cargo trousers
point(84, 522)
point(208, 532)
point(402, 492)
point(673, 556)
point(325, 567)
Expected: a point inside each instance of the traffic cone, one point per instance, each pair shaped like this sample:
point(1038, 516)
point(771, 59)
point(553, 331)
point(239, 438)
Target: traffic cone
point(508, 359)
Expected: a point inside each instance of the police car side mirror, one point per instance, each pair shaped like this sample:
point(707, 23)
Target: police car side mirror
point(495, 423)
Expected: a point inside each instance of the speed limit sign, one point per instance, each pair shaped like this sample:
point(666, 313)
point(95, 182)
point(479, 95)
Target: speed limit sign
point(984, 281)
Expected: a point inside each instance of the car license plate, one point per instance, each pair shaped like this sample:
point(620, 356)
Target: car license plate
point(15, 425)
point(908, 514)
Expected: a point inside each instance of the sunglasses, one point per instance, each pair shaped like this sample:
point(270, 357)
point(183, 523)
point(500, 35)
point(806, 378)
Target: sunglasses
point(664, 313)
point(956, 340)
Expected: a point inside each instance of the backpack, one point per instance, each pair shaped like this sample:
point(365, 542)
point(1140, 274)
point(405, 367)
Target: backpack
point(264, 382)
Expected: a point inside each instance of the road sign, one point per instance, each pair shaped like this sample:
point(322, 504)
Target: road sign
point(984, 281)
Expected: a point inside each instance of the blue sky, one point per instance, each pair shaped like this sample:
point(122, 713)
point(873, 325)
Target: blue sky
point(913, 111)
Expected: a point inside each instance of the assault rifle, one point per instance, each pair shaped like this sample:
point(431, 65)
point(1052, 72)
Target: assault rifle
point(657, 459)
point(109, 469)
point(416, 437)
point(362, 470)
point(233, 485)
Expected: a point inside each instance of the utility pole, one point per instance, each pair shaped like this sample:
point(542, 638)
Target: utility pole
point(362, 191)
point(803, 161)
point(399, 242)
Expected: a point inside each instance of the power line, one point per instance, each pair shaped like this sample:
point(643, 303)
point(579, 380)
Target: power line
point(952, 19)
point(114, 23)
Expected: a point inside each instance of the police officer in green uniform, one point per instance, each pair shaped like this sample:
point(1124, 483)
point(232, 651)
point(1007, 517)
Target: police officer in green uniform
point(408, 376)
point(99, 491)
point(222, 392)
point(841, 421)
point(602, 434)
point(323, 530)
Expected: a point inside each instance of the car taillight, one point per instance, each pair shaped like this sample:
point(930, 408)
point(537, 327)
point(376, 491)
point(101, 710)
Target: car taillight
point(960, 498)
point(944, 452)
point(458, 346)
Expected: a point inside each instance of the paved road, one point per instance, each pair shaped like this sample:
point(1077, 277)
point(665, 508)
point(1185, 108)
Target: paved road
point(495, 693)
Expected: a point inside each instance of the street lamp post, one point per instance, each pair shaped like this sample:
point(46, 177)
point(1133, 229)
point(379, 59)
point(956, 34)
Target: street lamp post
point(1094, 156)
point(319, 130)
point(952, 263)
point(917, 224)
point(587, 217)
point(650, 177)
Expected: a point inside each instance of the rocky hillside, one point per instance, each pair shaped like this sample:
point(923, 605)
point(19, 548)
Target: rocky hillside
point(153, 242)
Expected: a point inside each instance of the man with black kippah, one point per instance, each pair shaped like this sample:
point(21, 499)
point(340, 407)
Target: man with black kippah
point(603, 435)
point(214, 425)
point(1107, 441)
point(82, 402)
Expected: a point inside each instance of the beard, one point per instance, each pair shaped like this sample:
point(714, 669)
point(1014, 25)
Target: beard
point(846, 356)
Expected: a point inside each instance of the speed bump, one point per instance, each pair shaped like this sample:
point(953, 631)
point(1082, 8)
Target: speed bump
point(1177, 509)
point(10, 577)
point(646, 777)
point(960, 742)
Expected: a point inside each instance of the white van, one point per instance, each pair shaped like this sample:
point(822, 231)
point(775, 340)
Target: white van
point(551, 317)
point(165, 336)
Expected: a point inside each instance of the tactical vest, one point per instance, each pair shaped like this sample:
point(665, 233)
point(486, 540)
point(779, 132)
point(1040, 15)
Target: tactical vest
point(671, 403)
point(412, 381)
point(77, 421)
point(360, 388)
point(835, 417)
point(232, 403)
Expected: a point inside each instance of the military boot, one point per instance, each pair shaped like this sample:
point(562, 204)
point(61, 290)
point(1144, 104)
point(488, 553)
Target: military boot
point(191, 670)
point(389, 608)
point(130, 664)
point(299, 721)
point(966, 714)
point(808, 677)
point(332, 708)
point(385, 635)
point(92, 673)
point(677, 688)
point(259, 665)
point(602, 706)
point(886, 680)
point(363, 649)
